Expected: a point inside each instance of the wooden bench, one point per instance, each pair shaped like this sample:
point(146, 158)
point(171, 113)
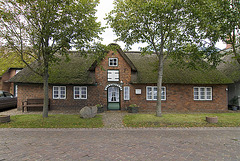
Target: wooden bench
point(34, 103)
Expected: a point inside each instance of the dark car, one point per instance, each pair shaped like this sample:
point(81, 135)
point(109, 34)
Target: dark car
point(7, 100)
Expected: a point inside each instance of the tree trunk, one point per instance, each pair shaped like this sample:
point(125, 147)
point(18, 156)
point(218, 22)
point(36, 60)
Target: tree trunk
point(45, 88)
point(159, 85)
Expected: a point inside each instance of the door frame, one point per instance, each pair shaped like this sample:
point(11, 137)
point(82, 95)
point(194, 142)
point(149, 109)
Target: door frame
point(119, 93)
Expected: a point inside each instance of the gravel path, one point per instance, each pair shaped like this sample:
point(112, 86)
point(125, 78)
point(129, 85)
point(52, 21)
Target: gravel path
point(113, 119)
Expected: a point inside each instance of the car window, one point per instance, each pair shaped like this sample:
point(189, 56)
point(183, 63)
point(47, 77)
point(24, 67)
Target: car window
point(1, 94)
point(8, 94)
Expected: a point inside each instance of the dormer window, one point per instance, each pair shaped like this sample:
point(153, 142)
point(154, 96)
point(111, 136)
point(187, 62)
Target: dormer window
point(113, 62)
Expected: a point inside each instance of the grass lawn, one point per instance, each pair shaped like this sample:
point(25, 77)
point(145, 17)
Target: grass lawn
point(181, 120)
point(52, 121)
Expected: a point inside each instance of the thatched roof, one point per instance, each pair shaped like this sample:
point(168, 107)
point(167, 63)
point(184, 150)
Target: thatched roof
point(79, 71)
point(147, 72)
point(74, 71)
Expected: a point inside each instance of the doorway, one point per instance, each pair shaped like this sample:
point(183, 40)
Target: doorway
point(113, 98)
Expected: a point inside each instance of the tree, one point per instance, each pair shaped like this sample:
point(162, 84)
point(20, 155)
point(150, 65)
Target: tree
point(45, 29)
point(231, 28)
point(169, 27)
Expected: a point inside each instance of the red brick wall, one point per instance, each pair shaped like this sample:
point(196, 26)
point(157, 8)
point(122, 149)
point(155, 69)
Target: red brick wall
point(5, 77)
point(180, 98)
point(36, 91)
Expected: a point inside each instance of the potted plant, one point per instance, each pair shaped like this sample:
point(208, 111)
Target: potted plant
point(100, 108)
point(234, 103)
point(133, 108)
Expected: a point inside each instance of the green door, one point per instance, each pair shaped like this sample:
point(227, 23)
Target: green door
point(113, 98)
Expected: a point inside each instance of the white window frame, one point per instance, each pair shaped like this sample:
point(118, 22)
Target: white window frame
point(202, 94)
point(80, 89)
point(153, 96)
point(111, 60)
point(113, 75)
point(58, 89)
point(126, 93)
point(16, 90)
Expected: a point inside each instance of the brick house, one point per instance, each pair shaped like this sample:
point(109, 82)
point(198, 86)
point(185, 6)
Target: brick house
point(7, 86)
point(124, 78)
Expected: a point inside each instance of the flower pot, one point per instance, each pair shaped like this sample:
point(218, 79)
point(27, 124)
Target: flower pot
point(212, 120)
point(4, 118)
point(100, 109)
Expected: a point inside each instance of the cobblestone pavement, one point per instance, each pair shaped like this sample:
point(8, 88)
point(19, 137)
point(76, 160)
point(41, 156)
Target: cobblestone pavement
point(120, 144)
point(117, 143)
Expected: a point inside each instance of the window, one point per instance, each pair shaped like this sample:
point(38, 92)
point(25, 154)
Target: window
point(59, 92)
point(80, 92)
point(202, 93)
point(126, 93)
point(113, 75)
point(152, 93)
point(113, 62)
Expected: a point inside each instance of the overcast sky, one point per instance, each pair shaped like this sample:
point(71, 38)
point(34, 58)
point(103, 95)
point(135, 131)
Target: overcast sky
point(108, 36)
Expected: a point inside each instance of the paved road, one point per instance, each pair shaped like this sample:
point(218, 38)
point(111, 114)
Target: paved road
point(120, 144)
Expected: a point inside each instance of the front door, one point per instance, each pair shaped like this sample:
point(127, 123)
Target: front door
point(113, 98)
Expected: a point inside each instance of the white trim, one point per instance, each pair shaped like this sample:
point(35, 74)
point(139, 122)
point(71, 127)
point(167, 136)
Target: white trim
point(113, 85)
point(199, 98)
point(58, 90)
point(153, 88)
point(109, 59)
point(126, 97)
point(80, 92)
point(16, 90)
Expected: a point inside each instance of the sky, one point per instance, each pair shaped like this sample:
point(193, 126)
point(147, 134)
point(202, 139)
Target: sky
point(108, 36)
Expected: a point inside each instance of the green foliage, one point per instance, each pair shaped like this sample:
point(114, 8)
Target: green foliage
point(99, 105)
point(221, 21)
point(10, 59)
point(133, 105)
point(45, 29)
point(182, 120)
point(178, 27)
point(41, 29)
point(53, 121)
point(170, 28)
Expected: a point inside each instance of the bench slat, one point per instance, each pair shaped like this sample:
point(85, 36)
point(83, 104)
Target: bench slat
point(34, 102)
point(36, 105)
